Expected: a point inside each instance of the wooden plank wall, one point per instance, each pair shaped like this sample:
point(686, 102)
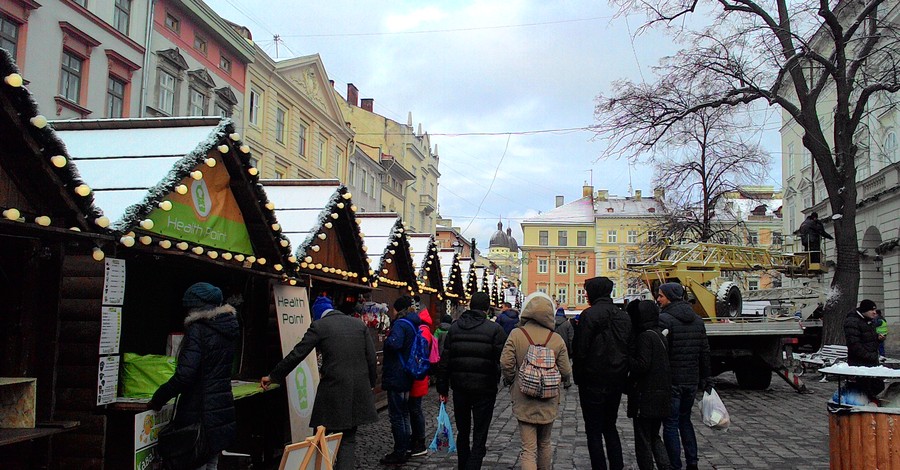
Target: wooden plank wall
point(81, 294)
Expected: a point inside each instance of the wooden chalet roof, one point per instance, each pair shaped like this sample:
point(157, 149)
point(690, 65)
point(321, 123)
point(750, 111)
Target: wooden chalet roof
point(424, 251)
point(452, 275)
point(388, 248)
point(180, 184)
point(318, 218)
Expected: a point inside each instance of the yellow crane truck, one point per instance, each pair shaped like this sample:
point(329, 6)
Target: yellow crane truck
point(750, 346)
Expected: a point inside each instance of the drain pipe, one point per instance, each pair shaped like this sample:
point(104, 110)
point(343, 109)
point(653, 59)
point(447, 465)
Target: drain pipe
point(145, 76)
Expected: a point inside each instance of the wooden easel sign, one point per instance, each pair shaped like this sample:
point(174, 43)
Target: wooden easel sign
point(317, 452)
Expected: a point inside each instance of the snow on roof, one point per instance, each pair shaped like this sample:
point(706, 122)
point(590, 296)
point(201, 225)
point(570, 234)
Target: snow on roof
point(446, 258)
point(120, 143)
point(378, 230)
point(579, 211)
point(418, 248)
point(628, 207)
point(300, 207)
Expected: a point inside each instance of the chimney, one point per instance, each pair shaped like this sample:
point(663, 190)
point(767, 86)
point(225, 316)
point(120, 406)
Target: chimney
point(659, 193)
point(587, 191)
point(637, 195)
point(602, 194)
point(560, 200)
point(368, 104)
point(331, 82)
point(352, 94)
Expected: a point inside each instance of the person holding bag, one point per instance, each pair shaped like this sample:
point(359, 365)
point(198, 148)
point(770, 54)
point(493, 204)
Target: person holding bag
point(202, 381)
point(535, 415)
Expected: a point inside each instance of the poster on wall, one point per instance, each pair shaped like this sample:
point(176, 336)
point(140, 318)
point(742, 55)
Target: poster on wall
point(110, 329)
point(146, 433)
point(114, 281)
point(107, 379)
point(292, 309)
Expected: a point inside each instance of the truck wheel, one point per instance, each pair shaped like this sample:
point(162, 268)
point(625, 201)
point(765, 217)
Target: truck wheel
point(753, 375)
point(728, 301)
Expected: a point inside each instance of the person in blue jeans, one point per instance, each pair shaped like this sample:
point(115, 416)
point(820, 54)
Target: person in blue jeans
point(396, 381)
point(689, 366)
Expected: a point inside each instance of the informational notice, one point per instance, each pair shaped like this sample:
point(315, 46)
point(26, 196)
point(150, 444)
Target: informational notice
point(107, 379)
point(146, 434)
point(292, 309)
point(110, 329)
point(114, 282)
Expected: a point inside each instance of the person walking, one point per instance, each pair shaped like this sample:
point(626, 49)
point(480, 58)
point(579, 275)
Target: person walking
point(811, 232)
point(417, 392)
point(650, 390)
point(508, 318)
point(344, 398)
point(441, 332)
point(689, 365)
point(470, 365)
point(567, 331)
point(862, 344)
point(535, 415)
point(202, 379)
point(560, 316)
point(600, 361)
point(396, 381)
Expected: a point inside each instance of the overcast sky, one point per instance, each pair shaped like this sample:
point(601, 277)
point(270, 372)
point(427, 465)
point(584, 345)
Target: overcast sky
point(506, 68)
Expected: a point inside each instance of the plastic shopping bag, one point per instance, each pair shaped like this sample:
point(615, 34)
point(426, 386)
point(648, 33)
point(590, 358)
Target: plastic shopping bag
point(443, 437)
point(713, 411)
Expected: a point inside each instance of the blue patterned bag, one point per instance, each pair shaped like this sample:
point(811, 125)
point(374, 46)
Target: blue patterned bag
point(443, 437)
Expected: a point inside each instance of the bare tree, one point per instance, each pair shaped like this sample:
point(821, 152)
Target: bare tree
point(823, 64)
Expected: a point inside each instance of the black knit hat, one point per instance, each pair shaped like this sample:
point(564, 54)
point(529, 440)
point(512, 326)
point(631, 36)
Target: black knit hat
point(202, 294)
point(672, 290)
point(480, 301)
point(403, 303)
point(866, 305)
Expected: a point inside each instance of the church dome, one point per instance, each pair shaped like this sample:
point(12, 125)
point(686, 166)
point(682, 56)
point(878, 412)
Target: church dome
point(499, 239)
point(513, 244)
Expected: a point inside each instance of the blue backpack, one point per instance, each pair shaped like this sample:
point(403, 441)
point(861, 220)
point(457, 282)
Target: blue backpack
point(417, 362)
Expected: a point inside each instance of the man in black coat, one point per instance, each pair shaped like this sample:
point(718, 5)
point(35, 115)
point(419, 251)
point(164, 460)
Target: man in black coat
point(470, 364)
point(600, 365)
point(689, 364)
point(811, 232)
point(344, 398)
point(203, 375)
point(862, 344)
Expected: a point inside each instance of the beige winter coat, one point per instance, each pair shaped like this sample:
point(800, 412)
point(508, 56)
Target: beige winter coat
point(537, 319)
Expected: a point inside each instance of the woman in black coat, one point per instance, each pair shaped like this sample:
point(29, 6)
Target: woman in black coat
point(650, 391)
point(203, 375)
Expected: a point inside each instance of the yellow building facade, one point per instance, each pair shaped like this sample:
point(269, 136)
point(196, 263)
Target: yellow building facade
point(293, 123)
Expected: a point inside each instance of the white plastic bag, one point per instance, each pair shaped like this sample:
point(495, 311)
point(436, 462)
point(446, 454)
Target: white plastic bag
point(713, 411)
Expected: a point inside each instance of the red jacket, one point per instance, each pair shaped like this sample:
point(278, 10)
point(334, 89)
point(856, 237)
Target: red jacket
point(420, 387)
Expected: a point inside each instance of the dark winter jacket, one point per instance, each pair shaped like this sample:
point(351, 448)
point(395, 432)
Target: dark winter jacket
point(862, 340)
point(597, 362)
point(344, 397)
point(688, 346)
point(567, 331)
point(508, 320)
point(471, 359)
point(650, 391)
point(396, 348)
point(203, 375)
point(811, 232)
point(559, 318)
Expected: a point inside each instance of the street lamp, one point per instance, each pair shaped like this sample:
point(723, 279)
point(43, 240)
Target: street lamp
point(879, 262)
point(457, 247)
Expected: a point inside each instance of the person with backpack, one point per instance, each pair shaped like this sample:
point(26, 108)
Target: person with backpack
point(689, 364)
point(600, 366)
point(470, 365)
point(535, 362)
point(396, 380)
point(650, 388)
point(420, 389)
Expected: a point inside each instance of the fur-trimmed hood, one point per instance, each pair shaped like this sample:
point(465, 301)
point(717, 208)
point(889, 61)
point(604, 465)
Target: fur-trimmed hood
point(538, 307)
point(222, 319)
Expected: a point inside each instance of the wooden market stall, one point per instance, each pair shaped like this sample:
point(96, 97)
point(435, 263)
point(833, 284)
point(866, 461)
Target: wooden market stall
point(47, 236)
point(424, 251)
point(454, 289)
point(184, 202)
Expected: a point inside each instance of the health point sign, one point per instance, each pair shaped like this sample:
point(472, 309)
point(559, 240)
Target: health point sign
point(292, 310)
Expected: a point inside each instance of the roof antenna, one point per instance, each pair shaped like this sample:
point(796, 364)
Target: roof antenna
point(630, 190)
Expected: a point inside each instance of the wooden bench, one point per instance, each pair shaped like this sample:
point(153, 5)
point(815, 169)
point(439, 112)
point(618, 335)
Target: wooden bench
point(830, 354)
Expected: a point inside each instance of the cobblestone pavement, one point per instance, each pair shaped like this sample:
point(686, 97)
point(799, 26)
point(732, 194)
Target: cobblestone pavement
point(776, 429)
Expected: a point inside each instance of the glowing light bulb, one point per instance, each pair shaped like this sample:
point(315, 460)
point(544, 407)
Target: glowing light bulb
point(14, 80)
point(58, 161)
point(308, 259)
point(292, 259)
point(210, 162)
point(198, 250)
point(239, 258)
point(340, 205)
point(245, 149)
point(334, 215)
point(278, 267)
point(293, 282)
point(347, 195)
point(127, 241)
point(315, 248)
point(251, 259)
point(322, 236)
point(12, 214)
point(270, 205)
point(328, 225)
point(304, 265)
point(181, 189)
point(212, 254)
point(43, 221)
point(276, 227)
point(318, 265)
point(165, 205)
point(165, 244)
point(261, 261)
point(197, 175)
point(147, 224)
point(353, 207)
point(223, 148)
point(82, 190)
point(284, 243)
point(98, 254)
point(181, 246)
point(234, 136)
point(388, 261)
point(39, 121)
point(253, 171)
point(227, 256)
point(145, 240)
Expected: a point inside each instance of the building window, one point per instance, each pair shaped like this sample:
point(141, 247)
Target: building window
point(542, 266)
point(543, 238)
point(173, 23)
point(364, 180)
point(115, 98)
point(753, 284)
point(581, 266)
point(542, 289)
point(254, 107)
point(562, 266)
point(280, 118)
point(651, 237)
point(121, 15)
point(562, 295)
point(225, 63)
point(70, 79)
point(322, 154)
point(562, 238)
point(83, 3)
point(9, 35)
point(197, 106)
point(582, 238)
point(612, 236)
point(580, 296)
point(351, 172)
point(412, 215)
point(166, 101)
point(302, 144)
point(201, 45)
point(612, 262)
point(632, 236)
point(279, 175)
point(372, 185)
point(753, 238)
point(222, 110)
point(790, 158)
